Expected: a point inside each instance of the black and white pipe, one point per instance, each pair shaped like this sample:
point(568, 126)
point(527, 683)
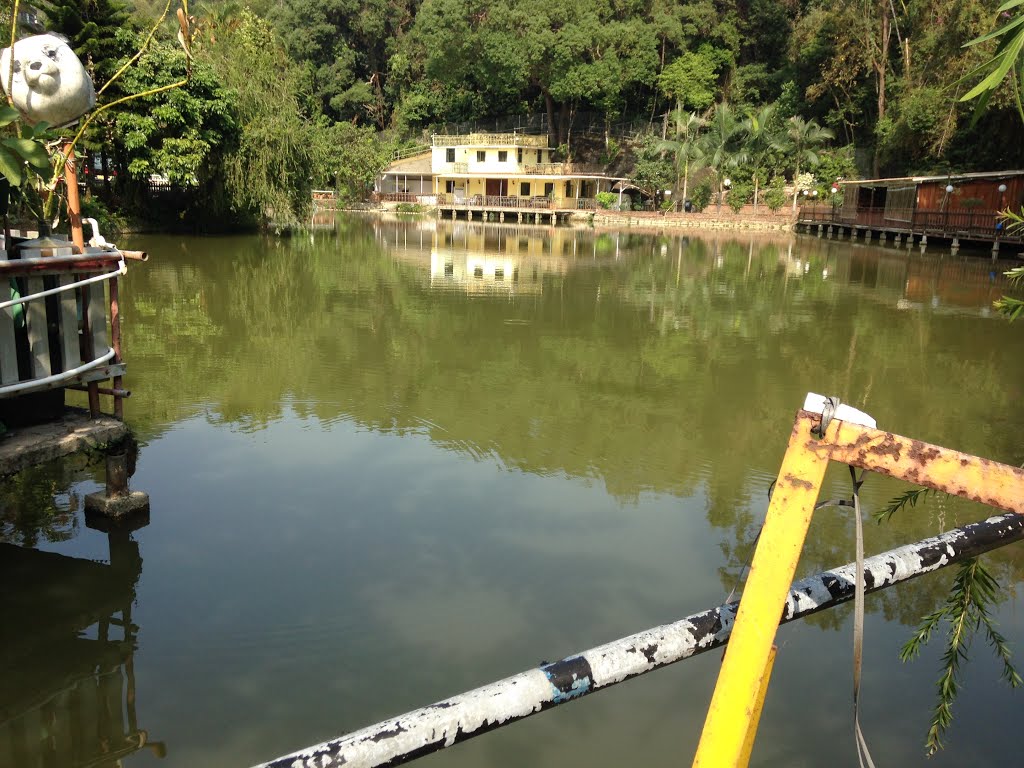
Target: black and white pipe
point(432, 728)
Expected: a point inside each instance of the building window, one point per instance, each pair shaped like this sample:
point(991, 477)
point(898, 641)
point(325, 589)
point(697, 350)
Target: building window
point(524, 189)
point(502, 156)
point(519, 156)
point(449, 154)
point(549, 189)
point(449, 186)
point(481, 155)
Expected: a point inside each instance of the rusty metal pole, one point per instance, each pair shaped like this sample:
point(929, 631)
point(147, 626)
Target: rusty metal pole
point(74, 204)
point(75, 220)
point(115, 333)
point(117, 474)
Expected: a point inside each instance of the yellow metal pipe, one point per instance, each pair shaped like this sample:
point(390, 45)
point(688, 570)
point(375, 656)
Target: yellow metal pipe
point(755, 719)
point(961, 474)
point(771, 573)
point(730, 725)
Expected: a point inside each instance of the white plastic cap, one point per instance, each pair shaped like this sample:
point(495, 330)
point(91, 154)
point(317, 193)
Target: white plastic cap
point(816, 404)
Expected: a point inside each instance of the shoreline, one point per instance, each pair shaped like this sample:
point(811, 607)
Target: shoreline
point(724, 221)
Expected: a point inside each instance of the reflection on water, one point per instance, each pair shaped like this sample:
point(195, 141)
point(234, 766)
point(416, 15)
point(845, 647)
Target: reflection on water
point(69, 694)
point(395, 459)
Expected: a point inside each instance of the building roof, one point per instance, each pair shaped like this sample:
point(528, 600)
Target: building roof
point(417, 165)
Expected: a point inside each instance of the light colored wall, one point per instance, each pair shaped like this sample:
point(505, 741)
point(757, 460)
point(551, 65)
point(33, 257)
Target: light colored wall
point(491, 165)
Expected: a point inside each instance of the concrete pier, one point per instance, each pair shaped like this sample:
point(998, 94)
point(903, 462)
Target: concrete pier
point(27, 446)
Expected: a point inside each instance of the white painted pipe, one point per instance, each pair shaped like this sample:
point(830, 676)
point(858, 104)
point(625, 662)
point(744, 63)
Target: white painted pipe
point(432, 728)
point(121, 269)
point(48, 381)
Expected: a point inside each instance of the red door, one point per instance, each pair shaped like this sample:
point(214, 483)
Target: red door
point(497, 187)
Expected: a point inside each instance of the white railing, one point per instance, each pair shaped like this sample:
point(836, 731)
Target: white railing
point(490, 140)
point(88, 337)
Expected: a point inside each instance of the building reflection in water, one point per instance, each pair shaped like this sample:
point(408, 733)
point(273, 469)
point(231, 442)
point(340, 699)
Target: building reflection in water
point(478, 257)
point(67, 644)
point(482, 257)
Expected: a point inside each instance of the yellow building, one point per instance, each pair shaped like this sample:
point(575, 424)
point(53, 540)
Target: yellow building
point(493, 171)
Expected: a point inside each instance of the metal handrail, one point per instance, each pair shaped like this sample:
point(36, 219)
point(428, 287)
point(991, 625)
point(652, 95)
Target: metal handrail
point(46, 381)
point(121, 270)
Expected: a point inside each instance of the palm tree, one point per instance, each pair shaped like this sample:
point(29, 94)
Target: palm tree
point(802, 136)
point(762, 138)
point(687, 153)
point(720, 145)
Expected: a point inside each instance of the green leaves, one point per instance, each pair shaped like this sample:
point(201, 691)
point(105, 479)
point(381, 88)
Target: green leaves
point(967, 609)
point(8, 115)
point(1005, 61)
point(16, 152)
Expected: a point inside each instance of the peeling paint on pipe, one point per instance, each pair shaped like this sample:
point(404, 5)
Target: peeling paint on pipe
point(432, 728)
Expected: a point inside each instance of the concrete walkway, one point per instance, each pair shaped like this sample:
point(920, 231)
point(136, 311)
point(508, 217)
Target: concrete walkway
point(27, 446)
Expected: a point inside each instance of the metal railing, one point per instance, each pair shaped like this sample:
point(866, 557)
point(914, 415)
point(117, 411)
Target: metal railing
point(88, 339)
point(521, 203)
point(564, 169)
point(401, 154)
point(396, 197)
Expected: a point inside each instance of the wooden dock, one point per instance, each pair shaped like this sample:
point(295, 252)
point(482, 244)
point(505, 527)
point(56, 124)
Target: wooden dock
point(908, 226)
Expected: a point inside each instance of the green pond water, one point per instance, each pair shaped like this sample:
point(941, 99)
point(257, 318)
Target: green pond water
point(392, 460)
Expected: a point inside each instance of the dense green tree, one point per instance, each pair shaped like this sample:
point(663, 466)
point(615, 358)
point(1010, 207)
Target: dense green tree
point(349, 158)
point(692, 79)
point(182, 134)
point(346, 44)
point(95, 31)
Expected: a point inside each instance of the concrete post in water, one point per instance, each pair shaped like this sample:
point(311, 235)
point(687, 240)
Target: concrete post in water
point(898, 239)
point(117, 500)
point(883, 236)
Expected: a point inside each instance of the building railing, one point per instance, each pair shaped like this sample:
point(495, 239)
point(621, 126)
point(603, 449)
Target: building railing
point(507, 201)
point(490, 140)
point(396, 197)
point(419, 149)
point(460, 167)
point(564, 169)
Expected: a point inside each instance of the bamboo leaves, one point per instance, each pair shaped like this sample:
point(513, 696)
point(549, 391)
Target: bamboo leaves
point(1005, 61)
